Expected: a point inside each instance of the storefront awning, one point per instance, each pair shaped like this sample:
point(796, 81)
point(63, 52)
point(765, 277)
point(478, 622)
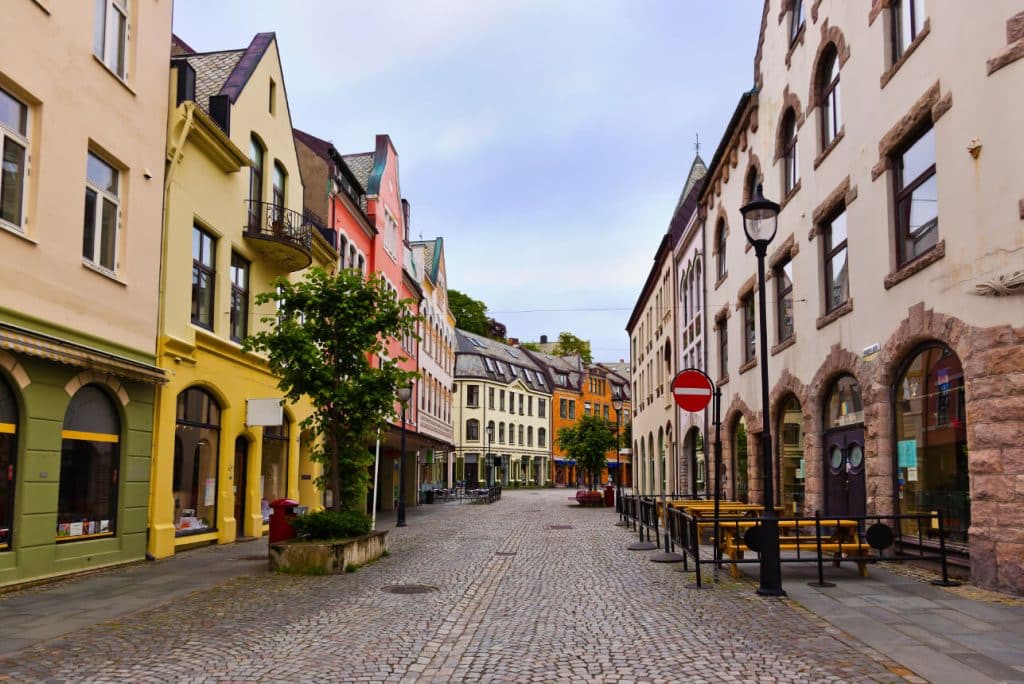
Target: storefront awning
point(63, 351)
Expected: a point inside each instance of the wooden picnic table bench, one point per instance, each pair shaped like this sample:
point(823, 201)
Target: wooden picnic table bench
point(841, 540)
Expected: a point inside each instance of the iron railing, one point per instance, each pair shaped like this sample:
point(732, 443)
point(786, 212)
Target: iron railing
point(269, 221)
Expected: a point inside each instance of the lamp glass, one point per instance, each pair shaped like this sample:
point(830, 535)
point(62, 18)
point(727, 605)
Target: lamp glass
point(617, 404)
point(405, 393)
point(760, 218)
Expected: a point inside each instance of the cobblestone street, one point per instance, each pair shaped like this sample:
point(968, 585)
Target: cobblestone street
point(530, 588)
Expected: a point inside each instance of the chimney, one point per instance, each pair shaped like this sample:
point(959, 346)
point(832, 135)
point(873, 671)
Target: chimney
point(186, 82)
point(543, 339)
point(513, 341)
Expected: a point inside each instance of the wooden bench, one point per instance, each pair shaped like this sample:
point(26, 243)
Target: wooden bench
point(842, 541)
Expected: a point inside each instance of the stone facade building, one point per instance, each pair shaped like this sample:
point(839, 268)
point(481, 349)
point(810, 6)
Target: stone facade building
point(896, 318)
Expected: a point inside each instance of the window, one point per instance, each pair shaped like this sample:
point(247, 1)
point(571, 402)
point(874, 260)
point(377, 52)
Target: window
point(239, 297)
point(511, 402)
point(837, 276)
point(521, 435)
point(473, 395)
point(572, 409)
point(102, 205)
point(272, 97)
point(522, 404)
point(501, 433)
point(563, 408)
point(720, 234)
point(790, 170)
point(917, 210)
point(490, 397)
point(473, 430)
point(255, 183)
point(542, 437)
point(13, 167)
point(89, 465)
point(529, 406)
point(606, 411)
point(274, 467)
point(278, 190)
point(749, 329)
point(203, 277)
point(196, 462)
point(586, 408)
point(784, 299)
point(831, 118)
point(8, 457)
point(907, 22)
point(542, 408)
point(501, 400)
point(110, 34)
point(796, 20)
point(723, 349)
point(529, 436)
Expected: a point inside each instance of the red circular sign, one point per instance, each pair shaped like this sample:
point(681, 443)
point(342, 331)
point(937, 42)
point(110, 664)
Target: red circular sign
point(692, 390)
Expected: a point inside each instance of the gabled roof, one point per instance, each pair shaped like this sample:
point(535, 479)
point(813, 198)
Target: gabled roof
point(319, 146)
point(223, 72)
point(432, 250)
point(480, 357)
point(570, 366)
point(698, 169)
point(361, 165)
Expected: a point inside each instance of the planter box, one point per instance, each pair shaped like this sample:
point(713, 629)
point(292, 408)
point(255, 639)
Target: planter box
point(326, 557)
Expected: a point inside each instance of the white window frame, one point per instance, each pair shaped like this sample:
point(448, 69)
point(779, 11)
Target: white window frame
point(23, 140)
point(110, 9)
point(102, 194)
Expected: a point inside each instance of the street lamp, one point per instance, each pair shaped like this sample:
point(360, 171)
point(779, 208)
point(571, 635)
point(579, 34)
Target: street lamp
point(404, 395)
point(760, 222)
point(617, 405)
point(488, 457)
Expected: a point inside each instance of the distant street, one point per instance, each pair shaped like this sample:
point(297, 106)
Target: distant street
point(530, 588)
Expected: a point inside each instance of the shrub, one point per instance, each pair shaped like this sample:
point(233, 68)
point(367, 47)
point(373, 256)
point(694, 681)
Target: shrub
point(331, 524)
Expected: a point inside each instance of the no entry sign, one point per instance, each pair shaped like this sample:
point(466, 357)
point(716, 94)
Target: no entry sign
point(692, 390)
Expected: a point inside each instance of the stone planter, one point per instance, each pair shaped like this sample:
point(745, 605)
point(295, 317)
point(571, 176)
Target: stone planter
point(326, 557)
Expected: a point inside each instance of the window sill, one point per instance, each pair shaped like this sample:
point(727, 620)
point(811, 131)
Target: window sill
point(840, 311)
point(752, 363)
point(113, 75)
point(789, 195)
point(17, 232)
point(891, 71)
point(83, 537)
point(718, 283)
point(920, 263)
point(723, 380)
point(828, 148)
point(99, 270)
point(785, 344)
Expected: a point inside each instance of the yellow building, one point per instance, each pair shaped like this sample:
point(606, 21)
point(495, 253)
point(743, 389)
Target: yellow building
point(233, 221)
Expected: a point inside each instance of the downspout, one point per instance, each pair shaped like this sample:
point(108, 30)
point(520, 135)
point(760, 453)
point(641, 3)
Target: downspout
point(704, 352)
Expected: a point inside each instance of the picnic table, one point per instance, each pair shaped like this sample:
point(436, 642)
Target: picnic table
point(839, 537)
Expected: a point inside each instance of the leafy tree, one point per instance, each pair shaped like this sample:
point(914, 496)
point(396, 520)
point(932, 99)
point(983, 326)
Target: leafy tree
point(570, 344)
point(470, 314)
point(587, 442)
point(532, 346)
point(319, 343)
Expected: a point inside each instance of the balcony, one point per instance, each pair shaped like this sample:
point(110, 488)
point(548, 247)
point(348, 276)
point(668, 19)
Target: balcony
point(284, 236)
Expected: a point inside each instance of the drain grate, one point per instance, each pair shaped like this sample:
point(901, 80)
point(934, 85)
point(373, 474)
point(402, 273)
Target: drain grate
point(559, 527)
point(504, 553)
point(408, 589)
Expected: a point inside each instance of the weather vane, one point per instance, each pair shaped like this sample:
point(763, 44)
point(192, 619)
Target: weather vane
point(696, 143)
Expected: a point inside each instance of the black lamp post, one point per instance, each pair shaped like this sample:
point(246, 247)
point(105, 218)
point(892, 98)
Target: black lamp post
point(489, 459)
point(404, 395)
point(760, 221)
point(617, 405)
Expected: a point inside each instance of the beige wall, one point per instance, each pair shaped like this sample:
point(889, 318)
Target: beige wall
point(78, 105)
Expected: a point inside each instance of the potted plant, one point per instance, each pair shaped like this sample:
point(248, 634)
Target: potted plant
point(328, 542)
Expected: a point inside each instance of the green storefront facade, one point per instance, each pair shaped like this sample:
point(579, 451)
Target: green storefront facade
point(76, 418)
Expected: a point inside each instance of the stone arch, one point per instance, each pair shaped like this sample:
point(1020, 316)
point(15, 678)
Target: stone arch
point(220, 397)
point(92, 377)
point(780, 131)
point(737, 409)
point(15, 370)
point(753, 167)
point(830, 36)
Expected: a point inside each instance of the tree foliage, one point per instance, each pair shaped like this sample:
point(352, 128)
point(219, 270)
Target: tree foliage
point(319, 343)
point(570, 344)
point(588, 442)
point(532, 346)
point(470, 314)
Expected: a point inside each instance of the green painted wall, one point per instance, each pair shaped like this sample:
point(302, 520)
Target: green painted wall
point(42, 403)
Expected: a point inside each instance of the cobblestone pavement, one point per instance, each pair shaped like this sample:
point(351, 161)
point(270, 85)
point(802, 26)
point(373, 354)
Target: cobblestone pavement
point(520, 598)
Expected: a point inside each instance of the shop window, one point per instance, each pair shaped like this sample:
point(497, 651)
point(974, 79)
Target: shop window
point(931, 442)
point(89, 465)
point(740, 461)
point(791, 456)
point(8, 457)
point(273, 467)
point(196, 462)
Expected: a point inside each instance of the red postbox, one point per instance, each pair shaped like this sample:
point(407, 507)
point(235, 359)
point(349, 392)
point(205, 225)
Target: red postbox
point(282, 513)
point(609, 495)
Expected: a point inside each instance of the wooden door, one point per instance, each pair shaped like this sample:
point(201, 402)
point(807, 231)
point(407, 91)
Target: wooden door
point(845, 482)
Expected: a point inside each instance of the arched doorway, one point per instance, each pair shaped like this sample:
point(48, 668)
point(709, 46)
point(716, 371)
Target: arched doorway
point(931, 441)
point(740, 461)
point(694, 447)
point(196, 462)
point(843, 468)
point(790, 443)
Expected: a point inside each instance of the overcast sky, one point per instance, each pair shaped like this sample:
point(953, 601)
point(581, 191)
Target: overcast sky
point(546, 141)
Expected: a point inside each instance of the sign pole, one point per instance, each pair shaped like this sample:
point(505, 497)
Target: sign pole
point(717, 413)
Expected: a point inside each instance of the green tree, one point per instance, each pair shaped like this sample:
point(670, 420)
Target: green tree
point(570, 344)
point(588, 442)
point(532, 346)
point(470, 314)
point(319, 343)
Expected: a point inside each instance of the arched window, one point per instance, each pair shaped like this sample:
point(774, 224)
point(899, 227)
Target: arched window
point(90, 459)
point(8, 457)
point(844, 406)
point(790, 445)
point(279, 189)
point(931, 441)
point(787, 152)
point(473, 430)
point(196, 462)
point(740, 481)
point(828, 95)
point(697, 294)
point(490, 431)
point(274, 466)
point(529, 436)
point(501, 433)
point(521, 435)
point(685, 291)
point(542, 437)
point(750, 184)
point(720, 233)
point(255, 183)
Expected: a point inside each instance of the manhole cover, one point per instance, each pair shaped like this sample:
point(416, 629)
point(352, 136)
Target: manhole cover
point(408, 589)
point(559, 527)
point(504, 553)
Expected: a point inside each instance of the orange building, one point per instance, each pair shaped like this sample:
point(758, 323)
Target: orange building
point(565, 377)
point(600, 389)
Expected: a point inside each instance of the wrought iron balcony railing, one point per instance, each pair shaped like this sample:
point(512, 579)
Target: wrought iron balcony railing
point(284, 235)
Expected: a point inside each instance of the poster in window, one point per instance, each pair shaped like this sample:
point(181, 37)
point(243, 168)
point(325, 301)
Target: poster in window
point(210, 491)
point(75, 529)
point(906, 453)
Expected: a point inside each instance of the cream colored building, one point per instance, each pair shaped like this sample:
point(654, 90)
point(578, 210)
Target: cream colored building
point(501, 414)
point(888, 133)
point(83, 110)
